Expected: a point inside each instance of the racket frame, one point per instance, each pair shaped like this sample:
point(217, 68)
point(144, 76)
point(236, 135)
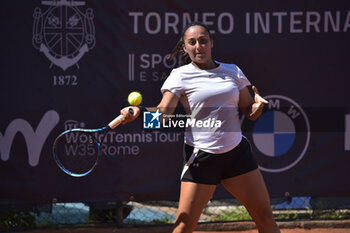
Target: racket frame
point(105, 129)
point(114, 123)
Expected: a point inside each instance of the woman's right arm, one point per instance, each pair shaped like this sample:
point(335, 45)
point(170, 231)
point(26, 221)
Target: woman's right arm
point(166, 106)
point(168, 103)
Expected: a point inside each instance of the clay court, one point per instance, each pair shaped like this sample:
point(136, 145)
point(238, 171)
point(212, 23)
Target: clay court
point(318, 230)
point(338, 226)
point(295, 230)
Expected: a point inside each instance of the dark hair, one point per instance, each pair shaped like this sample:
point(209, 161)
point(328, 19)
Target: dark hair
point(178, 49)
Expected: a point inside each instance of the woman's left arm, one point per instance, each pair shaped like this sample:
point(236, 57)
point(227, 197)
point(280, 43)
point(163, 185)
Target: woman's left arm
point(251, 108)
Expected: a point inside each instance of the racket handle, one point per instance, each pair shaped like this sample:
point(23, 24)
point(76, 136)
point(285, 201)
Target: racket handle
point(118, 120)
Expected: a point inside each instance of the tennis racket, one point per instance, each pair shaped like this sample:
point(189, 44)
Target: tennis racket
point(77, 151)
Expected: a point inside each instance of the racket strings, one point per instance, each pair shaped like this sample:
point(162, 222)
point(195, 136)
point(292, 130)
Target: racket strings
point(77, 152)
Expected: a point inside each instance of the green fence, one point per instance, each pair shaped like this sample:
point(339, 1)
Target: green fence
point(19, 217)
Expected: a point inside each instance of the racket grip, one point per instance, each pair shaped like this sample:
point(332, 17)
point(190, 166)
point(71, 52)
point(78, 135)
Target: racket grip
point(118, 120)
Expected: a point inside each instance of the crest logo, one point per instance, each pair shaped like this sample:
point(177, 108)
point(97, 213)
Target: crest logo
point(63, 33)
point(280, 137)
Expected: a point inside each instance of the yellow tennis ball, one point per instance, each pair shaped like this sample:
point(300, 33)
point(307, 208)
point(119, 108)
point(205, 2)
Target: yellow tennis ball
point(135, 98)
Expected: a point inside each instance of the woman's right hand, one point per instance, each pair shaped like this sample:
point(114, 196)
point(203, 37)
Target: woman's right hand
point(127, 116)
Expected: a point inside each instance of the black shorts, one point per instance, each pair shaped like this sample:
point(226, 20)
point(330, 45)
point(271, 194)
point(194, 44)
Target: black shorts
point(209, 168)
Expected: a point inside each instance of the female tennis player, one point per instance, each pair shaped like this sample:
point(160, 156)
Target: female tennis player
point(211, 89)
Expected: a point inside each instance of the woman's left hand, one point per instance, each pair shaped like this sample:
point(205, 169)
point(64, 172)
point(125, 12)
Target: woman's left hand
point(258, 104)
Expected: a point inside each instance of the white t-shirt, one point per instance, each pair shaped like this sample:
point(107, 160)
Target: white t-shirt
point(210, 94)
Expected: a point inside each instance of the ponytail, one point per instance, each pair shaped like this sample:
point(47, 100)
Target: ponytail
point(178, 49)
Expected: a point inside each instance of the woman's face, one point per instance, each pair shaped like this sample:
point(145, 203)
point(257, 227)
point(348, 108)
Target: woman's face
point(198, 44)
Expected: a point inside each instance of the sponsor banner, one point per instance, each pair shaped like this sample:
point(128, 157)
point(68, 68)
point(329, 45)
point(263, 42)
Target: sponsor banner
point(68, 64)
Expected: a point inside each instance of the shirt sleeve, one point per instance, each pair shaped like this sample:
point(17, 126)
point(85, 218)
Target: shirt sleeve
point(173, 84)
point(242, 79)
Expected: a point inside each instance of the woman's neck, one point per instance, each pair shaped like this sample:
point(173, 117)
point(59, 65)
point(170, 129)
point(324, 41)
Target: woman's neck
point(206, 66)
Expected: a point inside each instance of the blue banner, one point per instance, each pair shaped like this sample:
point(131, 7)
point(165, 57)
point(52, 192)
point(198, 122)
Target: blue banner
point(68, 63)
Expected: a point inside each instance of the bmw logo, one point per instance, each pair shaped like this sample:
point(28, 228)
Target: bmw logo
point(280, 137)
